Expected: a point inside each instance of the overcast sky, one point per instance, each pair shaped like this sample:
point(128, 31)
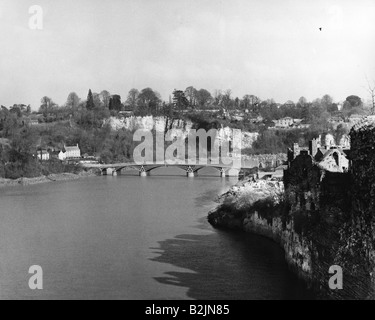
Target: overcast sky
point(269, 48)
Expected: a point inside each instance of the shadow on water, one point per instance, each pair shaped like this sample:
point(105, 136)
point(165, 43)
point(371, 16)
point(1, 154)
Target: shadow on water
point(229, 265)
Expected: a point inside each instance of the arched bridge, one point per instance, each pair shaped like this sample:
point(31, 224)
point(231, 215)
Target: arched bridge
point(190, 169)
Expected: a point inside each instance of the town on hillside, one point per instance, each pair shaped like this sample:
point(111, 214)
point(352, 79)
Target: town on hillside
point(87, 131)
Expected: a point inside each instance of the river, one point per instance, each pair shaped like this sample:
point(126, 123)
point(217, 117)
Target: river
point(129, 237)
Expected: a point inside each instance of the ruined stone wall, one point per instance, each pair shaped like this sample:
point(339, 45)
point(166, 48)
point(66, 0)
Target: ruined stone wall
point(325, 219)
point(313, 224)
point(362, 170)
point(320, 211)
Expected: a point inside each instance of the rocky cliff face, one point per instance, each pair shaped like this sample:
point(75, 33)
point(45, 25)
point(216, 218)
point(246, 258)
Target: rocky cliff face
point(320, 218)
point(258, 207)
point(148, 123)
point(176, 127)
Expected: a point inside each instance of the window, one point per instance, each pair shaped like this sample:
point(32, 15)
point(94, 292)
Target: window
point(336, 157)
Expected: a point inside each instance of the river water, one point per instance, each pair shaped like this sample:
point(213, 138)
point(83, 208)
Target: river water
point(128, 237)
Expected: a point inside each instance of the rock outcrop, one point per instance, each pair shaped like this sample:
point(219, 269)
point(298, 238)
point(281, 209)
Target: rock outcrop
point(176, 128)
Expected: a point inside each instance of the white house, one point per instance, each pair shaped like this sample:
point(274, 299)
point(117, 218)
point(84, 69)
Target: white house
point(43, 155)
point(62, 156)
point(284, 122)
point(70, 153)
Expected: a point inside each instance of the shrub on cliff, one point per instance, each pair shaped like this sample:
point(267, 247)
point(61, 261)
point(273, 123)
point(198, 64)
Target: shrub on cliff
point(227, 215)
point(267, 208)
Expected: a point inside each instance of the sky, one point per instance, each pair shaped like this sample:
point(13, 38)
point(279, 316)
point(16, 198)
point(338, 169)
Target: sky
point(269, 48)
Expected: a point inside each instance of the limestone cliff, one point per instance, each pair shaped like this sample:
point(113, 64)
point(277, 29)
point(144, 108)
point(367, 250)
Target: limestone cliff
point(177, 127)
point(258, 207)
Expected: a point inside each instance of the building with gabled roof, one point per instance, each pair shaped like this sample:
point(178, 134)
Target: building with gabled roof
point(334, 160)
point(71, 152)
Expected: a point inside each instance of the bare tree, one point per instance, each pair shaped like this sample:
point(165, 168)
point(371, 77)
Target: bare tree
point(251, 103)
point(132, 99)
point(46, 106)
point(191, 95)
point(203, 98)
point(227, 102)
point(72, 101)
point(105, 96)
point(371, 90)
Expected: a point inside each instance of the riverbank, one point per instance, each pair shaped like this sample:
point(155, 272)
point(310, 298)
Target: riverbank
point(4, 183)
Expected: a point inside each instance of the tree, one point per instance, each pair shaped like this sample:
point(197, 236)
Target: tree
point(305, 112)
point(46, 106)
point(246, 102)
point(371, 91)
point(191, 95)
point(148, 101)
point(327, 103)
point(90, 101)
point(301, 108)
point(340, 131)
point(105, 96)
point(203, 98)
point(180, 102)
point(352, 102)
point(316, 109)
point(132, 99)
point(16, 109)
point(237, 103)
point(217, 98)
point(301, 102)
point(28, 110)
point(97, 101)
point(226, 101)
point(115, 103)
point(251, 103)
point(72, 101)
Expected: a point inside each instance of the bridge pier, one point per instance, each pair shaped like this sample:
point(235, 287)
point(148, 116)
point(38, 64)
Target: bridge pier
point(114, 173)
point(143, 172)
point(190, 172)
point(223, 173)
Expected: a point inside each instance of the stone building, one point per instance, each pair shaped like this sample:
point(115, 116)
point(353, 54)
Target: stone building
point(284, 123)
point(331, 202)
point(332, 159)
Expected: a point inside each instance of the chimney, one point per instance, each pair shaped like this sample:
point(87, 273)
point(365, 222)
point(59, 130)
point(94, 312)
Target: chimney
point(313, 147)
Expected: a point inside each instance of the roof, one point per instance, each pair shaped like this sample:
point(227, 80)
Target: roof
point(332, 151)
point(73, 148)
point(322, 150)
